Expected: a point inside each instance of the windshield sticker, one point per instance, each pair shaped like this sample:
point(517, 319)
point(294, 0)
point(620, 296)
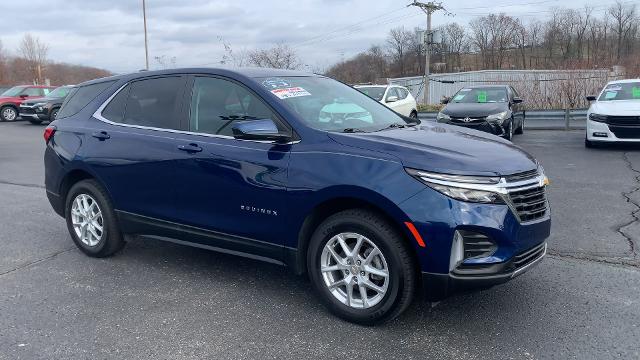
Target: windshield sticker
point(482, 96)
point(610, 95)
point(459, 97)
point(290, 92)
point(635, 92)
point(275, 83)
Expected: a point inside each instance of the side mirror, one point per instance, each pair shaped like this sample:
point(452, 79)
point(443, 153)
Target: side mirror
point(517, 100)
point(445, 101)
point(264, 129)
point(391, 99)
point(24, 96)
point(591, 98)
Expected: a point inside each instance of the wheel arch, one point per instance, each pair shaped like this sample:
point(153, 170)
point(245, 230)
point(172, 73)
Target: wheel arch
point(297, 258)
point(73, 177)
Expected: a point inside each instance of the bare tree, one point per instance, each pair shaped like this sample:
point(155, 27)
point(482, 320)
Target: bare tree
point(399, 41)
point(455, 38)
point(278, 57)
point(35, 53)
point(237, 59)
point(624, 17)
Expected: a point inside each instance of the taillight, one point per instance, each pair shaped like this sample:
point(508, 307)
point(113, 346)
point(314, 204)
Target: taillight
point(48, 133)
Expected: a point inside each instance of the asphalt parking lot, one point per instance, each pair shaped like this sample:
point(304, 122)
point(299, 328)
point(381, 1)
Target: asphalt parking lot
point(163, 301)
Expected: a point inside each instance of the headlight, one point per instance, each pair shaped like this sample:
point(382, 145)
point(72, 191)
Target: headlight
point(500, 117)
point(39, 104)
point(442, 117)
point(597, 117)
point(465, 188)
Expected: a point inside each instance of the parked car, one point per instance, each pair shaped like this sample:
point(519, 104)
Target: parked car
point(11, 99)
point(4, 88)
point(614, 115)
point(44, 109)
point(496, 109)
point(244, 161)
point(397, 98)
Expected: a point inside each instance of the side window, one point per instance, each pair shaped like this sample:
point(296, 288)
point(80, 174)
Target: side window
point(403, 93)
point(114, 111)
point(217, 103)
point(46, 91)
point(33, 92)
point(80, 97)
point(152, 102)
point(392, 92)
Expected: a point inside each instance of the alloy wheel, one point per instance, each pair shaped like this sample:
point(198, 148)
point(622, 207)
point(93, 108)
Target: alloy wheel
point(354, 270)
point(87, 220)
point(9, 114)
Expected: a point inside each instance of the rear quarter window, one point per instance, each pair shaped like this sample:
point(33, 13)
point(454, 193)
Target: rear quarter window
point(80, 97)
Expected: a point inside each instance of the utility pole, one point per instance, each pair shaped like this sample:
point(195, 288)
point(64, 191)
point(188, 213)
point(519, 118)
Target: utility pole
point(428, 8)
point(146, 46)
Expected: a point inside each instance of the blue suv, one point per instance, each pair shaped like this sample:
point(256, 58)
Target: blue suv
point(298, 170)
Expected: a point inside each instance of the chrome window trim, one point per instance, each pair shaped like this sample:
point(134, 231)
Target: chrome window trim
point(98, 115)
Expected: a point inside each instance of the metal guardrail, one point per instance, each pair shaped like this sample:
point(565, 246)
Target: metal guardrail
point(542, 119)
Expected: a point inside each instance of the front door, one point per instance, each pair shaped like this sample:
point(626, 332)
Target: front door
point(233, 188)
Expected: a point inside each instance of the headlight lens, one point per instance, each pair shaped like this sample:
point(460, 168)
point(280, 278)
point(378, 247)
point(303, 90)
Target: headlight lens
point(500, 117)
point(442, 117)
point(597, 117)
point(459, 187)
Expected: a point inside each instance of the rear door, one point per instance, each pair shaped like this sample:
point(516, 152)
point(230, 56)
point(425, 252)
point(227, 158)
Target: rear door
point(229, 186)
point(133, 149)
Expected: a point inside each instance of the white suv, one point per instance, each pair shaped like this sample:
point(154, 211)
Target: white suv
point(397, 98)
point(614, 116)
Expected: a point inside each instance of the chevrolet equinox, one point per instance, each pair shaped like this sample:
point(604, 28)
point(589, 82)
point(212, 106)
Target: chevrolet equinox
point(299, 170)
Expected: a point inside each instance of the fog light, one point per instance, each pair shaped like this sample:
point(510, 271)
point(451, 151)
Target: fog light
point(600, 134)
point(457, 251)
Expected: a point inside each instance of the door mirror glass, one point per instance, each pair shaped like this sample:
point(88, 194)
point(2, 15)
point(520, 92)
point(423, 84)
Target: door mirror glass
point(263, 129)
point(24, 96)
point(392, 98)
point(591, 98)
point(517, 100)
point(445, 100)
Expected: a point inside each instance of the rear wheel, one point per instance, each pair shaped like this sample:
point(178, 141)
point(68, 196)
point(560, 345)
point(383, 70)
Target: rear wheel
point(91, 220)
point(8, 113)
point(361, 267)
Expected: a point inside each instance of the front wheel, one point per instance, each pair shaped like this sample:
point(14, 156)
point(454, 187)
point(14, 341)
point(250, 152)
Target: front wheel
point(361, 267)
point(91, 220)
point(54, 114)
point(508, 132)
point(520, 130)
point(414, 115)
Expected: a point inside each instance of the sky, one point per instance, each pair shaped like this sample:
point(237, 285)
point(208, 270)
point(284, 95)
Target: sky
point(109, 33)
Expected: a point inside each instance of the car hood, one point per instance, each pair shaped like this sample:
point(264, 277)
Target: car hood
point(617, 108)
point(445, 149)
point(474, 109)
point(41, 100)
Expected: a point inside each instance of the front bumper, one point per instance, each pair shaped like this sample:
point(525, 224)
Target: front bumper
point(30, 112)
point(482, 125)
point(602, 132)
point(438, 286)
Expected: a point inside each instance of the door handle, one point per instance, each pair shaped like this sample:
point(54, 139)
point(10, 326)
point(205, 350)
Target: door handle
point(101, 135)
point(190, 148)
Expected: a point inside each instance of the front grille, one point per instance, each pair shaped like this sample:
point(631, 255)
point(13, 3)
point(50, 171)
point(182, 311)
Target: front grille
point(472, 121)
point(27, 111)
point(530, 204)
point(477, 245)
point(623, 120)
point(625, 132)
point(527, 175)
point(529, 256)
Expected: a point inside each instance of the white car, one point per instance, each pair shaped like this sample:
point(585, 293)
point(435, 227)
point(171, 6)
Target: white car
point(397, 98)
point(614, 115)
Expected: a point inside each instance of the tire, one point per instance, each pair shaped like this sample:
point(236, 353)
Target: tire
point(110, 239)
point(520, 130)
point(399, 284)
point(413, 115)
point(36, 122)
point(53, 114)
point(509, 132)
point(8, 113)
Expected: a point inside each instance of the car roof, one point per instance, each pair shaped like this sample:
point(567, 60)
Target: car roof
point(245, 72)
point(379, 86)
point(485, 86)
point(623, 81)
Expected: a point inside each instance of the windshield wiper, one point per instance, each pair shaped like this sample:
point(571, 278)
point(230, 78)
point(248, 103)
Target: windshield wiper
point(352, 130)
point(394, 126)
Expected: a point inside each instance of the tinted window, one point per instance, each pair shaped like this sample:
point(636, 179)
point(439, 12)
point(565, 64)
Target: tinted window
point(152, 103)
point(115, 109)
point(216, 104)
point(33, 92)
point(79, 98)
point(481, 95)
point(621, 91)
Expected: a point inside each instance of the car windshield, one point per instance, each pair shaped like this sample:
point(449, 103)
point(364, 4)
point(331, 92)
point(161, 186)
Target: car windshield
point(14, 91)
point(375, 92)
point(480, 95)
point(621, 91)
point(329, 105)
point(60, 92)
